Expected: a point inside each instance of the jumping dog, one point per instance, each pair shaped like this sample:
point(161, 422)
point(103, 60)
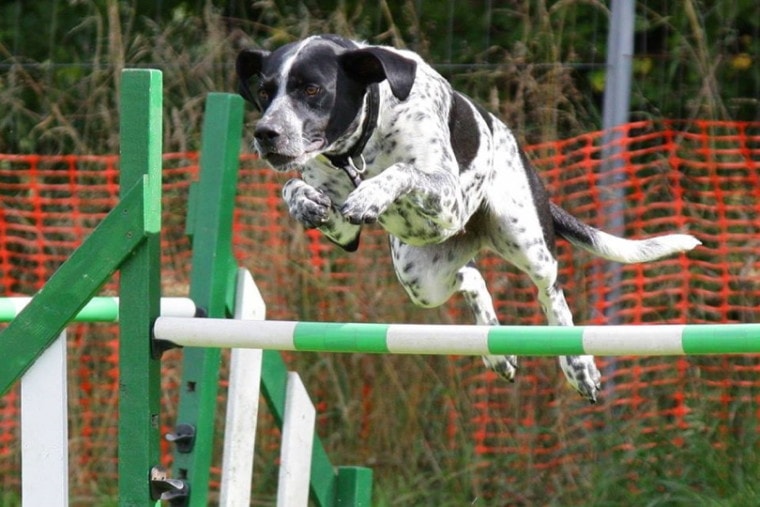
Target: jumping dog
point(377, 135)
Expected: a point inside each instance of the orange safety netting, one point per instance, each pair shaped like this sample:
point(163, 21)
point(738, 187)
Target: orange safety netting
point(699, 177)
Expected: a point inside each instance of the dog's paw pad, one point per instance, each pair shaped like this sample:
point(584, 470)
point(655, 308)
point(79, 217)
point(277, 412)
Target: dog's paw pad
point(504, 366)
point(367, 202)
point(583, 375)
point(358, 215)
point(311, 214)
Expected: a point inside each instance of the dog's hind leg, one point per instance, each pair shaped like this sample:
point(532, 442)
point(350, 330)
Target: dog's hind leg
point(432, 274)
point(476, 295)
point(522, 235)
point(580, 371)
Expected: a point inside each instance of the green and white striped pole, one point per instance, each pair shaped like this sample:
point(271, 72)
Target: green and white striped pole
point(642, 340)
point(99, 309)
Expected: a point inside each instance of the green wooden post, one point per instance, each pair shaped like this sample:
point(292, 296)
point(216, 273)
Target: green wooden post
point(212, 281)
point(140, 291)
point(354, 487)
point(212, 286)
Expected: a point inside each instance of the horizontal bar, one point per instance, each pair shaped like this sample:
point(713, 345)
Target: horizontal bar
point(99, 309)
point(643, 340)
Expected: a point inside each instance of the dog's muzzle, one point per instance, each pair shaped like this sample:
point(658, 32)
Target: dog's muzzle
point(284, 150)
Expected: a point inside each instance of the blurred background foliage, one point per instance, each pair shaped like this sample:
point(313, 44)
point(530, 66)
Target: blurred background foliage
point(539, 64)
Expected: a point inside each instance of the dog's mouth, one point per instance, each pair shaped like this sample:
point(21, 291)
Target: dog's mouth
point(285, 161)
point(278, 161)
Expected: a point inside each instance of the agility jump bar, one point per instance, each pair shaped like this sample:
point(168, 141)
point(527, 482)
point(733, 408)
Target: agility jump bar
point(99, 309)
point(642, 340)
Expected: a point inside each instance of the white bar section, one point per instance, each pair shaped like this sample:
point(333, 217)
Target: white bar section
point(242, 402)
point(226, 333)
point(20, 302)
point(454, 340)
point(177, 307)
point(297, 441)
point(633, 340)
point(45, 429)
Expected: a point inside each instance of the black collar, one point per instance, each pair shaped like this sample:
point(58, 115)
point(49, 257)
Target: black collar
point(348, 161)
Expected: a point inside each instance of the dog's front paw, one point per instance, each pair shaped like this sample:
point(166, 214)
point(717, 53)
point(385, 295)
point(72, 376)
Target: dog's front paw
point(504, 366)
point(582, 374)
point(365, 204)
point(307, 204)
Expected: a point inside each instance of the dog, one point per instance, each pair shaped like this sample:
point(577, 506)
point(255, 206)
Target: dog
point(377, 135)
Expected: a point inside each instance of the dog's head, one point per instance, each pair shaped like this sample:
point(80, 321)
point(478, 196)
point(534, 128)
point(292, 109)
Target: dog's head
point(311, 93)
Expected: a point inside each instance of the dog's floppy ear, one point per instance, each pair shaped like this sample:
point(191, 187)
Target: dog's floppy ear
point(375, 64)
point(248, 64)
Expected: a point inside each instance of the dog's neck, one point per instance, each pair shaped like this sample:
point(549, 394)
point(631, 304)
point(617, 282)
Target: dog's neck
point(352, 161)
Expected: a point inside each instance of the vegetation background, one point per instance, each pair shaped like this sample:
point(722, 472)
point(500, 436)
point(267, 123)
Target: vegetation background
point(541, 65)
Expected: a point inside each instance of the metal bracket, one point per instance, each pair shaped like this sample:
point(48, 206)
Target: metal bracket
point(158, 347)
point(174, 491)
point(183, 437)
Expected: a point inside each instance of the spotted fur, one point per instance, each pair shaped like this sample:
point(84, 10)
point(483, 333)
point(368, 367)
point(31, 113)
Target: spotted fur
point(443, 177)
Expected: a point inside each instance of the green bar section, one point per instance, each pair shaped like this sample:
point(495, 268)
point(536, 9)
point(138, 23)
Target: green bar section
point(354, 487)
point(722, 339)
point(7, 310)
point(212, 282)
point(536, 340)
point(71, 286)
point(139, 304)
point(103, 309)
point(338, 337)
point(274, 379)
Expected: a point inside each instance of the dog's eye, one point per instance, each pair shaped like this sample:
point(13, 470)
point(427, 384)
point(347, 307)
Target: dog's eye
point(263, 95)
point(312, 90)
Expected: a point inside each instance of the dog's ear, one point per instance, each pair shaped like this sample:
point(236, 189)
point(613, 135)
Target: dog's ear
point(375, 64)
point(248, 64)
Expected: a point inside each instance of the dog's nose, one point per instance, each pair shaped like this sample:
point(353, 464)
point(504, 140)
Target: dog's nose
point(265, 134)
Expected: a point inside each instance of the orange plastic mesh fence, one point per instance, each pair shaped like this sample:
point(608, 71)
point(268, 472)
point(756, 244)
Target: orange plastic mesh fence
point(700, 177)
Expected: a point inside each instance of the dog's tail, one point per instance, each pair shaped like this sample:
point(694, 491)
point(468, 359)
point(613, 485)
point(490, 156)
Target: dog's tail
point(611, 247)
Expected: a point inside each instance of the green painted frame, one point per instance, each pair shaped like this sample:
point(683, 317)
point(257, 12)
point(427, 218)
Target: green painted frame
point(212, 282)
point(140, 290)
point(128, 239)
point(212, 287)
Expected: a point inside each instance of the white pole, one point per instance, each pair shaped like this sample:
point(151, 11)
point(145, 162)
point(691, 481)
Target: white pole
point(242, 401)
point(44, 406)
point(615, 112)
point(363, 338)
point(99, 309)
point(45, 430)
point(297, 443)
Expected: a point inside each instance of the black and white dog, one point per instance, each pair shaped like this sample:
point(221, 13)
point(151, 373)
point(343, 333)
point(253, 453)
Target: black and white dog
point(377, 135)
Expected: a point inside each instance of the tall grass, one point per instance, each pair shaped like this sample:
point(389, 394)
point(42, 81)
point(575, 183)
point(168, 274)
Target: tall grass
point(539, 65)
point(71, 108)
point(48, 108)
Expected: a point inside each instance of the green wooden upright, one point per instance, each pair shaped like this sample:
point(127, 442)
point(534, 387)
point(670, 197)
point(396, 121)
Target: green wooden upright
point(210, 219)
point(129, 239)
point(139, 306)
point(212, 281)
